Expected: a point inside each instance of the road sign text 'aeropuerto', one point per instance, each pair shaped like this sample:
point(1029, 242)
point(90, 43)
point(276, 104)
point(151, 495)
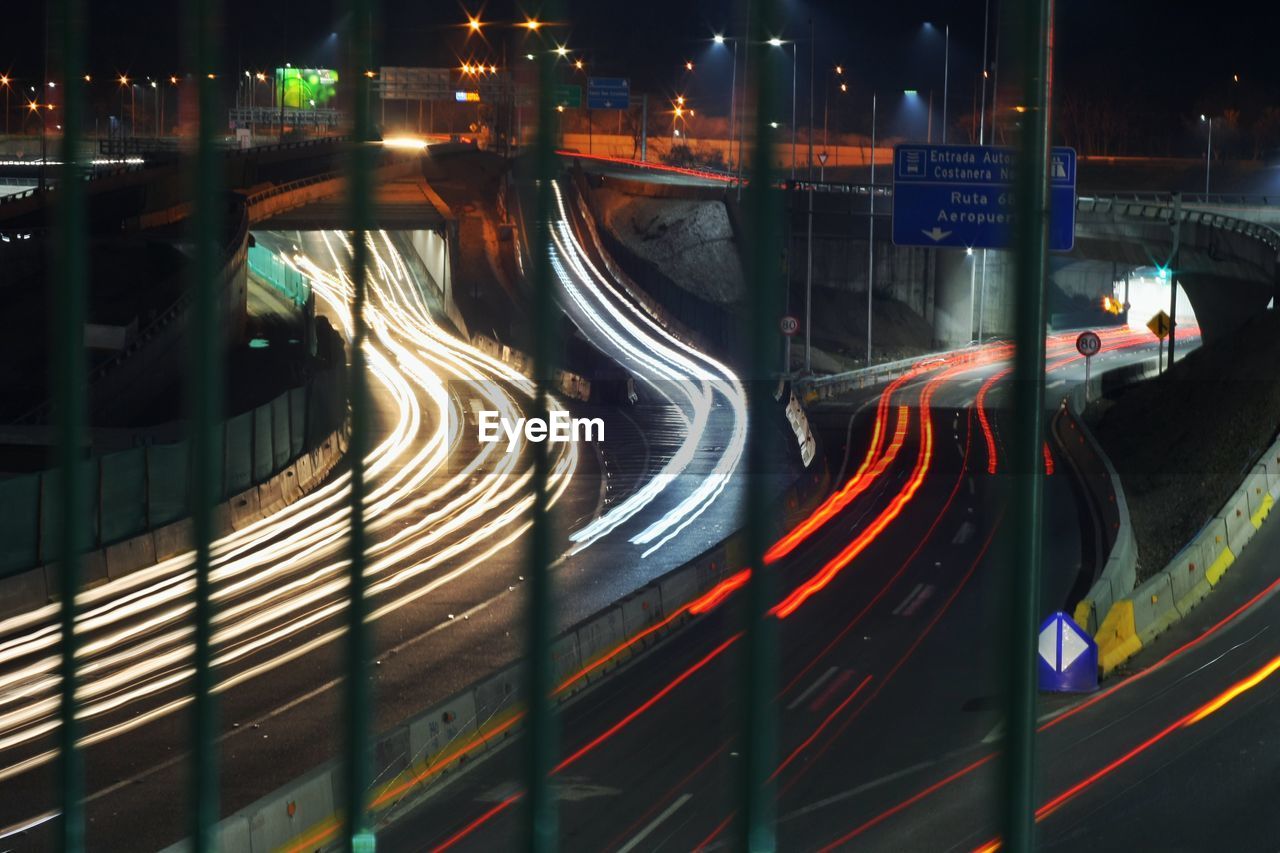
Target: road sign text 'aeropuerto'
point(961, 196)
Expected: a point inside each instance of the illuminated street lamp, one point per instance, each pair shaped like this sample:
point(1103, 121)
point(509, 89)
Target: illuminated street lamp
point(719, 39)
point(777, 42)
point(7, 83)
point(1208, 154)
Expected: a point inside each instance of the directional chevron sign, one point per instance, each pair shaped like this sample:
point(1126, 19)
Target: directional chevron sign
point(1068, 659)
point(961, 196)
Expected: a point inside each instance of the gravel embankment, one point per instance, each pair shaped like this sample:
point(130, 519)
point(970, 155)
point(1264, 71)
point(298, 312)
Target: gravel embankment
point(1182, 443)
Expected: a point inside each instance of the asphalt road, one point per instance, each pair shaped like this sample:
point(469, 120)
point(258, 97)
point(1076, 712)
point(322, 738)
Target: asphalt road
point(446, 558)
point(888, 674)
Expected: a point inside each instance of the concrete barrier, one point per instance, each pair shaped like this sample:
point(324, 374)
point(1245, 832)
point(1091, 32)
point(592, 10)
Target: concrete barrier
point(1214, 550)
point(1187, 577)
point(1258, 492)
point(1272, 460)
point(1135, 620)
point(442, 726)
point(641, 610)
point(600, 636)
point(1235, 514)
point(292, 811)
point(1153, 608)
point(130, 555)
point(174, 539)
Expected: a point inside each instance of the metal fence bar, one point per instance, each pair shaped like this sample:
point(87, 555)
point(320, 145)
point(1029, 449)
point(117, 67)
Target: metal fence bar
point(1034, 31)
point(541, 814)
point(67, 317)
point(764, 216)
point(358, 766)
point(204, 398)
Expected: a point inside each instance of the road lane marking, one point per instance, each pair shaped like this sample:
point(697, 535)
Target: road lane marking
point(853, 792)
point(822, 679)
point(920, 600)
point(911, 595)
point(839, 682)
point(962, 533)
point(655, 823)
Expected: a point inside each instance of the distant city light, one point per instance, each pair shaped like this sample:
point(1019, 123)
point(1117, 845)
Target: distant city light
point(474, 23)
point(688, 66)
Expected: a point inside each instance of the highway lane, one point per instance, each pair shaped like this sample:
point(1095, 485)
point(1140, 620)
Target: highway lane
point(840, 649)
point(442, 555)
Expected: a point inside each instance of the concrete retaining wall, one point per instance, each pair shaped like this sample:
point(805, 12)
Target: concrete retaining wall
point(137, 522)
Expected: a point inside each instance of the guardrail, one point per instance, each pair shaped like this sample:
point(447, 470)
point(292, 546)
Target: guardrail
point(1162, 212)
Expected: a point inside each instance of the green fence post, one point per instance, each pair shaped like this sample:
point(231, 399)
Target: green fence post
point(762, 354)
point(67, 317)
point(204, 399)
point(1031, 236)
point(542, 829)
point(358, 765)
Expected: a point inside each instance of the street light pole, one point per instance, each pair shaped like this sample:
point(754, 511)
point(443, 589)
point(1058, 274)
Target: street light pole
point(946, 80)
point(794, 47)
point(811, 68)
point(871, 228)
point(1208, 154)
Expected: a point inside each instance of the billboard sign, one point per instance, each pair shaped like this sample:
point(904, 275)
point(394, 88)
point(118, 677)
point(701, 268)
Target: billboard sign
point(302, 86)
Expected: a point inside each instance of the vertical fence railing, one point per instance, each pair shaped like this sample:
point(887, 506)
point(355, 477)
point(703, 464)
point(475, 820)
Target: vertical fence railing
point(541, 813)
point(359, 700)
point(67, 313)
point(1034, 28)
point(204, 400)
point(756, 804)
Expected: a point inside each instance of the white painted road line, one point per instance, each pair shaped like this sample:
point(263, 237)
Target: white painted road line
point(822, 679)
point(910, 596)
point(655, 823)
point(962, 533)
point(919, 600)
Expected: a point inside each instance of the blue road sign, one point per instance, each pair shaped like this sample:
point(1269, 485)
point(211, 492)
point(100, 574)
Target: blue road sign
point(961, 196)
point(608, 93)
point(1068, 660)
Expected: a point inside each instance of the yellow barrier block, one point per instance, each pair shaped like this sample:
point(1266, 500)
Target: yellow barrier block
point(1219, 566)
point(1117, 640)
point(1263, 510)
point(1081, 616)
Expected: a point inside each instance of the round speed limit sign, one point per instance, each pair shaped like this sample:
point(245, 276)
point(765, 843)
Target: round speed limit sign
point(789, 325)
point(1088, 344)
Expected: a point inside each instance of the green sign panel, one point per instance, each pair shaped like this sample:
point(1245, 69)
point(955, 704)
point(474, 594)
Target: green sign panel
point(568, 96)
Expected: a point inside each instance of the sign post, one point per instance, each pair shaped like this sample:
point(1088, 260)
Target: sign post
point(1159, 326)
point(961, 197)
point(1088, 344)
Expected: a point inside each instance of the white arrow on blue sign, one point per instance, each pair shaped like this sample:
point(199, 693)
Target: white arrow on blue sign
point(961, 196)
point(1068, 660)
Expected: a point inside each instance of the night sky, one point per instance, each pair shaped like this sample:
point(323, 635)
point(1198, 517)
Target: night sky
point(1153, 62)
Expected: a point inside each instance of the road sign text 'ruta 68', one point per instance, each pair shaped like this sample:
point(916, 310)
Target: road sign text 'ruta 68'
point(961, 196)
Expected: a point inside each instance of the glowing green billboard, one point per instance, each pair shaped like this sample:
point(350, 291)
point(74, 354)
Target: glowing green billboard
point(303, 86)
